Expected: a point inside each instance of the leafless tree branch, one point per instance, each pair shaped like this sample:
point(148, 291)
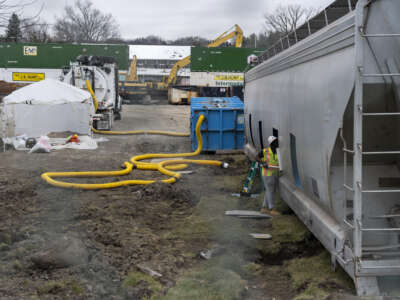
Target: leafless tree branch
point(85, 23)
point(285, 19)
point(19, 8)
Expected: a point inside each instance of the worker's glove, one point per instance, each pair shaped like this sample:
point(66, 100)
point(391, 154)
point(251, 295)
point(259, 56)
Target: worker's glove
point(265, 165)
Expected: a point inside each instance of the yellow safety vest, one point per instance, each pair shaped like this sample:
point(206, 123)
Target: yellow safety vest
point(272, 160)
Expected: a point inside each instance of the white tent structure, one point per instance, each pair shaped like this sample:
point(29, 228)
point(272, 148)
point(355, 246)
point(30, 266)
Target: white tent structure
point(44, 107)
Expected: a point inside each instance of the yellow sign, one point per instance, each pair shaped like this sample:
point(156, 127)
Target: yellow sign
point(27, 76)
point(229, 77)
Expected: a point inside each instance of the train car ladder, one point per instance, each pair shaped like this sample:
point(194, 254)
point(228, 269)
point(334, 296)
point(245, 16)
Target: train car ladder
point(366, 271)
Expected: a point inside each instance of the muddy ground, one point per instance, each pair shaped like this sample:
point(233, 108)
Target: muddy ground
point(71, 244)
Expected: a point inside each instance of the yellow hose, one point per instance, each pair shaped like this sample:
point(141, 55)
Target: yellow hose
point(165, 167)
point(158, 132)
point(95, 102)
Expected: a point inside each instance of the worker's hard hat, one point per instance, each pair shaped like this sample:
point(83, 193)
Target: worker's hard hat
point(271, 139)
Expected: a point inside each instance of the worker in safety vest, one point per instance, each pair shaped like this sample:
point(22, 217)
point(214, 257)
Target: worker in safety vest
point(270, 173)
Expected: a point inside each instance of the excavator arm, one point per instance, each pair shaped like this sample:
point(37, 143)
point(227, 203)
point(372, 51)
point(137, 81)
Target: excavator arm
point(174, 71)
point(132, 76)
point(224, 37)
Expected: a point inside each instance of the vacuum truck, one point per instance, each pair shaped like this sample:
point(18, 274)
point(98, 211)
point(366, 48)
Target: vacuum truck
point(102, 74)
point(330, 91)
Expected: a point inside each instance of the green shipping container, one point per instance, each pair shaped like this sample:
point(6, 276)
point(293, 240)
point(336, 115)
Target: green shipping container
point(56, 56)
point(224, 59)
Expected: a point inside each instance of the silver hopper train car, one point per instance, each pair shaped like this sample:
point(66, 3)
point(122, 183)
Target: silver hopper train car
point(331, 92)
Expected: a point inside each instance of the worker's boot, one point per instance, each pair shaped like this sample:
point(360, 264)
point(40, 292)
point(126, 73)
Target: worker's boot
point(274, 212)
point(265, 211)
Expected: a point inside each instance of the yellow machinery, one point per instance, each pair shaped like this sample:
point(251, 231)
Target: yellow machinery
point(130, 87)
point(132, 75)
point(237, 33)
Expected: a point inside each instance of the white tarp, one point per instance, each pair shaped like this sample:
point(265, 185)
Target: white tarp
point(47, 106)
point(48, 91)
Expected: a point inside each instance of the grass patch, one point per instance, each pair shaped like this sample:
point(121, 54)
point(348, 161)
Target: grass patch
point(208, 221)
point(57, 287)
point(52, 287)
point(316, 278)
point(289, 229)
point(76, 288)
point(17, 265)
point(135, 278)
point(287, 233)
point(4, 247)
point(192, 227)
point(208, 284)
point(232, 184)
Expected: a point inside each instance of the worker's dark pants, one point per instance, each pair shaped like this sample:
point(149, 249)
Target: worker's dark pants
point(271, 186)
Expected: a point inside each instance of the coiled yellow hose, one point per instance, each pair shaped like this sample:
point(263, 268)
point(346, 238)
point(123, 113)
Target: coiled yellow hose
point(165, 167)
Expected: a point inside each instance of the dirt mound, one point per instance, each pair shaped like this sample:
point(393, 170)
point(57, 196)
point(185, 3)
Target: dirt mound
point(63, 252)
point(175, 195)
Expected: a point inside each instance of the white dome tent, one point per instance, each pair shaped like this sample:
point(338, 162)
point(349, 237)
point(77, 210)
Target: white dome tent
point(47, 106)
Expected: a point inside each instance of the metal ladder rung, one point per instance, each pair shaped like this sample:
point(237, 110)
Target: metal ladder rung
point(348, 187)
point(381, 248)
point(380, 35)
point(380, 191)
point(381, 152)
point(385, 216)
point(348, 224)
point(348, 150)
point(380, 75)
point(381, 229)
point(382, 114)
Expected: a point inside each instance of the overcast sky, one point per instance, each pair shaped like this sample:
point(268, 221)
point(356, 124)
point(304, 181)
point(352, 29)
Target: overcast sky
point(177, 18)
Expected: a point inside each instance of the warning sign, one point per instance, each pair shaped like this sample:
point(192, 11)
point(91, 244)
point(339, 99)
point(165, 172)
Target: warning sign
point(228, 77)
point(213, 79)
point(27, 76)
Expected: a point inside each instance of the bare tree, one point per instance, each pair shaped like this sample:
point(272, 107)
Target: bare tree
point(285, 19)
point(8, 8)
point(84, 23)
point(37, 32)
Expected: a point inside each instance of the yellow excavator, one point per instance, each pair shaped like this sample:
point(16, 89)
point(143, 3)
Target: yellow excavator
point(233, 32)
point(132, 75)
point(130, 87)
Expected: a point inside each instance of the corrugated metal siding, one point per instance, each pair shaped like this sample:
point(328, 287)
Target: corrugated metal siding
point(56, 56)
point(225, 59)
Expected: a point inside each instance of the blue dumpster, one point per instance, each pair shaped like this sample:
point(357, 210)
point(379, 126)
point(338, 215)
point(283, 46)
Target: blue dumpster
point(223, 127)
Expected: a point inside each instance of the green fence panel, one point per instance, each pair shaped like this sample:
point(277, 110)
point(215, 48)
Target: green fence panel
point(56, 56)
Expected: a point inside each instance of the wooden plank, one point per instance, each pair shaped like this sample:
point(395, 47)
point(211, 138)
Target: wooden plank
point(239, 195)
point(246, 214)
point(261, 236)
